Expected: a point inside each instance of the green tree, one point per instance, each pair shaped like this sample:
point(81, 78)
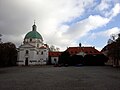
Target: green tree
point(114, 50)
point(8, 54)
point(64, 58)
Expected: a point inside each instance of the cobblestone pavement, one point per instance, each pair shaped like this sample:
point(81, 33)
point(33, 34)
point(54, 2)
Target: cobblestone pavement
point(60, 78)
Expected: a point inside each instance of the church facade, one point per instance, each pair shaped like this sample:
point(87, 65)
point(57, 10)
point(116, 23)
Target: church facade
point(33, 51)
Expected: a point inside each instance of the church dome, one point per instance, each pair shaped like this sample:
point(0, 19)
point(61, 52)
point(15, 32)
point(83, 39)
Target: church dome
point(33, 34)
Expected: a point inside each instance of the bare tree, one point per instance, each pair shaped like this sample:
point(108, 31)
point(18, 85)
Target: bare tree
point(114, 50)
point(53, 48)
point(0, 38)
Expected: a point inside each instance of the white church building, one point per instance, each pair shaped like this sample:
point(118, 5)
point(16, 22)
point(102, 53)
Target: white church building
point(33, 51)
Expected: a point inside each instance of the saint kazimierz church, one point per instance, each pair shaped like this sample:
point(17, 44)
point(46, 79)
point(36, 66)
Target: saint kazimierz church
point(33, 51)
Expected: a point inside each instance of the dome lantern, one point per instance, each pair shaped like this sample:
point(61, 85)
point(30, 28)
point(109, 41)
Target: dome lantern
point(33, 34)
point(34, 27)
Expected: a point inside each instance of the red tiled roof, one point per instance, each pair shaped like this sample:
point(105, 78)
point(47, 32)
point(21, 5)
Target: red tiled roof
point(87, 50)
point(55, 54)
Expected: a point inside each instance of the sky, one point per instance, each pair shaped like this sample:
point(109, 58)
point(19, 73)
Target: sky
point(62, 23)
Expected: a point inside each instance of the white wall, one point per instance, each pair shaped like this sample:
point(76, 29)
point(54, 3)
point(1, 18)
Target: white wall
point(34, 58)
point(34, 42)
point(43, 56)
point(22, 56)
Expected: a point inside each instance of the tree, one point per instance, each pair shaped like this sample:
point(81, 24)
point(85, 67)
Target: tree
point(64, 58)
point(54, 49)
point(8, 54)
point(114, 50)
point(0, 38)
point(100, 59)
point(89, 60)
point(76, 59)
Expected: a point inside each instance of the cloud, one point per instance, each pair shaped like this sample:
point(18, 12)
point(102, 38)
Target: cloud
point(99, 37)
point(115, 11)
point(81, 28)
point(106, 33)
point(109, 8)
point(111, 31)
point(103, 35)
point(17, 16)
point(70, 34)
point(93, 22)
point(104, 5)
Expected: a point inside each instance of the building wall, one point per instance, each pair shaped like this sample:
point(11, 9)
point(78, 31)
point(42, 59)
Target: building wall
point(43, 56)
point(31, 56)
point(34, 42)
point(34, 56)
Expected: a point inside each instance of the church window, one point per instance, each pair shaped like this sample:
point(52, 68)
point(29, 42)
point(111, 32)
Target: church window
point(37, 52)
point(42, 53)
point(27, 51)
point(30, 39)
point(37, 45)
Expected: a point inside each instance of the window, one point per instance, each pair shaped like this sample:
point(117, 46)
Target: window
point(30, 40)
point(55, 59)
point(37, 52)
point(27, 51)
point(37, 45)
point(42, 53)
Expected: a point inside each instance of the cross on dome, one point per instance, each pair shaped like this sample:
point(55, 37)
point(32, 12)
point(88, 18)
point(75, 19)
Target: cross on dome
point(34, 27)
point(34, 22)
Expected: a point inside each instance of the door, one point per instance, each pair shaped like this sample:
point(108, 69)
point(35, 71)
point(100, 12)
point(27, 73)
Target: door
point(26, 61)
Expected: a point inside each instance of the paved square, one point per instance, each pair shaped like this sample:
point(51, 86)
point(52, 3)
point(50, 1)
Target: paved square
point(60, 78)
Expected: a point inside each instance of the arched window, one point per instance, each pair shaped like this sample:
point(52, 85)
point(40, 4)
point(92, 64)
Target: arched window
point(55, 59)
point(42, 53)
point(30, 39)
point(27, 51)
point(37, 45)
